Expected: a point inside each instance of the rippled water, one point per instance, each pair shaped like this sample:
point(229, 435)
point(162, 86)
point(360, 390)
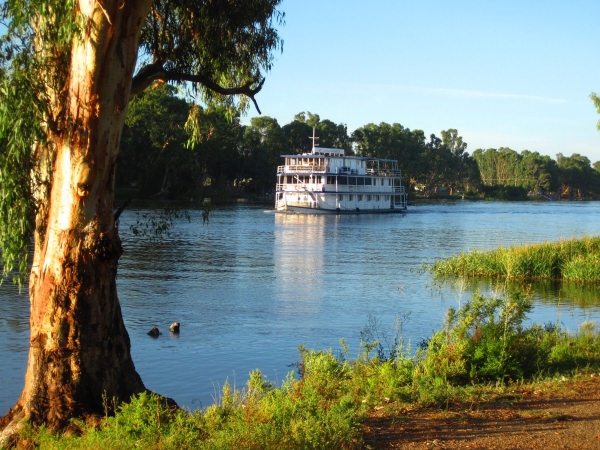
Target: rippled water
point(252, 285)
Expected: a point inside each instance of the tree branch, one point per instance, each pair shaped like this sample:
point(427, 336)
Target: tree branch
point(155, 72)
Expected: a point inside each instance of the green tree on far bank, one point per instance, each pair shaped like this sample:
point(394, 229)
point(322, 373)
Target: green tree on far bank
point(152, 150)
point(576, 177)
point(261, 148)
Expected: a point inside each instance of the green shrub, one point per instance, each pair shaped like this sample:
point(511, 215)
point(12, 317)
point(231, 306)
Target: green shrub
point(482, 343)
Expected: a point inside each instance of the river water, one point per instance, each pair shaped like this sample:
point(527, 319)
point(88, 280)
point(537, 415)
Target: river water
point(251, 286)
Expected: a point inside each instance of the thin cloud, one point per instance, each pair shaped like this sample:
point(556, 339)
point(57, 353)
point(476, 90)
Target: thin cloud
point(457, 93)
point(479, 95)
point(493, 95)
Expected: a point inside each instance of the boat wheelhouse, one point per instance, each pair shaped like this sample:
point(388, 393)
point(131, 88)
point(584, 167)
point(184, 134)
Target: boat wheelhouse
point(327, 181)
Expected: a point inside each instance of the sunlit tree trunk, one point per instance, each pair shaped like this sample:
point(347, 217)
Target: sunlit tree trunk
point(79, 348)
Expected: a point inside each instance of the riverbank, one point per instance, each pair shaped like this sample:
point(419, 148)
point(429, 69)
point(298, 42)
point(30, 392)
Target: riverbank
point(556, 413)
point(551, 415)
point(482, 357)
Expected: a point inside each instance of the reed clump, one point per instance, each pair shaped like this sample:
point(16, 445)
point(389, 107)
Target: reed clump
point(569, 260)
point(482, 348)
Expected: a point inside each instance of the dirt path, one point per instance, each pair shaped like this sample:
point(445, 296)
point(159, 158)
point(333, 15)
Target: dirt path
point(566, 416)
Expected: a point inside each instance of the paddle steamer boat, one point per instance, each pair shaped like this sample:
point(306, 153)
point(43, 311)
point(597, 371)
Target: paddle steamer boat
point(327, 181)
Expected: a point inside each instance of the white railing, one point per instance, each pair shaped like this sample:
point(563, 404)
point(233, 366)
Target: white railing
point(384, 172)
point(351, 189)
point(301, 168)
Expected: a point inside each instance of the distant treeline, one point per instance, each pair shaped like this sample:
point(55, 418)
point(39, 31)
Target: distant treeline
point(231, 159)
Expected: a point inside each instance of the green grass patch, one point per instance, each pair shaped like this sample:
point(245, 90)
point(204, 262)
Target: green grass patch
point(575, 260)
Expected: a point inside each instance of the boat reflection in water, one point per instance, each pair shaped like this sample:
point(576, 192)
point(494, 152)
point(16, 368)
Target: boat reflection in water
point(299, 261)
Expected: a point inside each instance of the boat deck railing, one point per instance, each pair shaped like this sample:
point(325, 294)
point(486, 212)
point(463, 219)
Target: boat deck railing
point(302, 168)
point(350, 189)
point(384, 172)
point(313, 168)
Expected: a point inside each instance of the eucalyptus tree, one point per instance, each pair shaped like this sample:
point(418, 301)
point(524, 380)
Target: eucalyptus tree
point(538, 172)
point(395, 142)
point(486, 161)
point(332, 135)
point(262, 145)
point(153, 153)
point(71, 68)
point(310, 119)
point(298, 136)
point(440, 165)
point(576, 176)
point(462, 170)
point(453, 142)
point(507, 166)
point(378, 141)
point(213, 162)
point(596, 100)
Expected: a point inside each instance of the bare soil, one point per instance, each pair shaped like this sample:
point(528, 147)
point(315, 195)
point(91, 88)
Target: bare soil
point(565, 415)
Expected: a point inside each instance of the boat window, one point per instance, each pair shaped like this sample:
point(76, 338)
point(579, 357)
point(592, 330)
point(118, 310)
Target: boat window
point(368, 181)
point(369, 198)
point(342, 180)
point(360, 181)
point(352, 180)
point(360, 197)
point(377, 198)
point(351, 197)
point(289, 179)
point(330, 180)
point(341, 197)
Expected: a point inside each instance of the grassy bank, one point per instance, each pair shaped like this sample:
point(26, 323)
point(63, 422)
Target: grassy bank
point(569, 260)
point(482, 347)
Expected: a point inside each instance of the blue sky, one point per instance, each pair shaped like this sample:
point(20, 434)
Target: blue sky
point(506, 73)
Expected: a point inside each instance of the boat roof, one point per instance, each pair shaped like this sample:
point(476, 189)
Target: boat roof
point(326, 154)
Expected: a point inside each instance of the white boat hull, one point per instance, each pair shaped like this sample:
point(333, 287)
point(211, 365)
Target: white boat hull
point(308, 210)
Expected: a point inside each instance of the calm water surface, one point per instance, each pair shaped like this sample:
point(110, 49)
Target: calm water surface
point(252, 285)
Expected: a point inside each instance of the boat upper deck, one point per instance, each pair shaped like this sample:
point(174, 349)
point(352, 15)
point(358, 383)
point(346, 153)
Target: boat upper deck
point(333, 161)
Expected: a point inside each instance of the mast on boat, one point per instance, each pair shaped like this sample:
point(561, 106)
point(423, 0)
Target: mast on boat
point(314, 140)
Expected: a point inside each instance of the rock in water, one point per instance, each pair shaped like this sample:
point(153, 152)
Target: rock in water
point(154, 332)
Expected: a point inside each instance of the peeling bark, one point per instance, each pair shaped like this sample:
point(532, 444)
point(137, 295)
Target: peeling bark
point(79, 348)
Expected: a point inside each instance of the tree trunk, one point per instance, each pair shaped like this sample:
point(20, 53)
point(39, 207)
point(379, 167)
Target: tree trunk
point(79, 349)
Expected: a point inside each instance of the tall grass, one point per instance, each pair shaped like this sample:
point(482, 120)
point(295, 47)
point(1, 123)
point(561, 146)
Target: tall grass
point(482, 344)
point(570, 260)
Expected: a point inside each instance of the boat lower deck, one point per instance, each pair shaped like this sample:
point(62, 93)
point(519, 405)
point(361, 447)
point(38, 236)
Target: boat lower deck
point(309, 210)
